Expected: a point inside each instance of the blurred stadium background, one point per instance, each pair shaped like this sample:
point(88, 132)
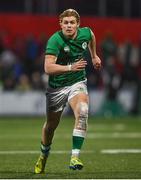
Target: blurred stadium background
point(25, 27)
point(115, 102)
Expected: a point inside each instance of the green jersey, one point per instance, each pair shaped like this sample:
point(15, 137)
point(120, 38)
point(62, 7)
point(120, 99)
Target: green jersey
point(68, 51)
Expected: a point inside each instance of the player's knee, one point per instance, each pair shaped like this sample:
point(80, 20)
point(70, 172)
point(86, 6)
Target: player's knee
point(83, 110)
point(49, 128)
point(83, 115)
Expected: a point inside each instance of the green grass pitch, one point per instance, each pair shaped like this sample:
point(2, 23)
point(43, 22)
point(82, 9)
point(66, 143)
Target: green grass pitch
point(112, 149)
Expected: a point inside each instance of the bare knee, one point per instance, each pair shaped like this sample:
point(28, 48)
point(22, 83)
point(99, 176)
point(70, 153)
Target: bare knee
point(49, 128)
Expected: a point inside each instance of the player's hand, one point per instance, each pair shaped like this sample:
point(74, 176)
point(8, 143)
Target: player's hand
point(79, 65)
point(97, 63)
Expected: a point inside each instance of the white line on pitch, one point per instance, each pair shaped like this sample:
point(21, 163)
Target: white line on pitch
point(114, 135)
point(110, 135)
point(120, 151)
point(37, 152)
point(104, 151)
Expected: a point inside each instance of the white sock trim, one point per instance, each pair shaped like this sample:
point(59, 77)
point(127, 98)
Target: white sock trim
point(79, 132)
point(75, 152)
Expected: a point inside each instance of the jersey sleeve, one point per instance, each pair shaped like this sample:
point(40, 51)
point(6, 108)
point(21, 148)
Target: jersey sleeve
point(90, 33)
point(52, 46)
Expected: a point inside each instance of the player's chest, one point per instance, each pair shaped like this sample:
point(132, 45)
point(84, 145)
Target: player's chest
point(74, 46)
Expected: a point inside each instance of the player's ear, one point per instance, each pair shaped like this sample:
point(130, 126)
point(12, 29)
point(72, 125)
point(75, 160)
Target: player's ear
point(60, 22)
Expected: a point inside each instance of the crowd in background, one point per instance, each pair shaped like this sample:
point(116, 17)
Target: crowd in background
point(22, 58)
point(21, 62)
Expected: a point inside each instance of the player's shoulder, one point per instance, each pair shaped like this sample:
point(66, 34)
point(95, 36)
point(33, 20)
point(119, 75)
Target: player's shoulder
point(85, 28)
point(86, 31)
point(54, 36)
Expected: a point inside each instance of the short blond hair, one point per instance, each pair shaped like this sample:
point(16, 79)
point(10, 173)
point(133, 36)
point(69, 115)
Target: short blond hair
point(68, 13)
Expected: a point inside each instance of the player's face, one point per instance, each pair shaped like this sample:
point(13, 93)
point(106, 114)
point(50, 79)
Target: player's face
point(69, 26)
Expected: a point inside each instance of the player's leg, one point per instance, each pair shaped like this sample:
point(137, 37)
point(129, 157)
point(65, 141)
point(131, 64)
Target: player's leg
point(56, 100)
point(79, 105)
point(53, 119)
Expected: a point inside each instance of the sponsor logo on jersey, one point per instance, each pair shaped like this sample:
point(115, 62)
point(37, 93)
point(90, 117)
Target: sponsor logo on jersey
point(66, 49)
point(84, 45)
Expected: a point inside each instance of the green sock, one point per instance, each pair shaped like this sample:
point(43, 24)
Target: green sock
point(77, 142)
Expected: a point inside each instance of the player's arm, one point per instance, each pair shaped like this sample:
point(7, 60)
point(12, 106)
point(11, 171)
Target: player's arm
point(92, 47)
point(51, 68)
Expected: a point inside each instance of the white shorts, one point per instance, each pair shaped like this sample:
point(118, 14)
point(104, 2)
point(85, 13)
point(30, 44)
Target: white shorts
point(57, 98)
